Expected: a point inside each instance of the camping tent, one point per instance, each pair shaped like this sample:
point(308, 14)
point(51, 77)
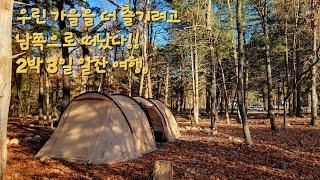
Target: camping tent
point(161, 118)
point(97, 128)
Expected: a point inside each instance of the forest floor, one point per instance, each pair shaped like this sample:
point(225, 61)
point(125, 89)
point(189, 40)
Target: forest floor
point(293, 153)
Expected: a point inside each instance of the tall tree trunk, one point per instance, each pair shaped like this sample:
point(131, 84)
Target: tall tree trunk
point(6, 10)
point(264, 98)
point(18, 105)
point(196, 78)
point(166, 88)
point(246, 83)
point(241, 107)
point(145, 50)
point(47, 95)
point(180, 91)
point(146, 92)
point(208, 96)
point(30, 93)
point(298, 68)
point(194, 81)
point(57, 99)
point(183, 86)
point(314, 95)
point(149, 84)
point(286, 91)
point(235, 58)
point(41, 88)
point(149, 62)
point(225, 92)
point(158, 95)
point(278, 98)
point(214, 111)
point(234, 48)
point(294, 96)
point(269, 69)
point(195, 107)
point(141, 85)
point(130, 74)
point(130, 82)
point(65, 55)
point(299, 88)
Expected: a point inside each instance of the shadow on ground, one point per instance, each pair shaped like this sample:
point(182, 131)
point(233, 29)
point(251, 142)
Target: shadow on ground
point(291, 153)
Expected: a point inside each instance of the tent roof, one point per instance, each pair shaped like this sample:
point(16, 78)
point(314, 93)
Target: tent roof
point(96, 128)
point(169, 123)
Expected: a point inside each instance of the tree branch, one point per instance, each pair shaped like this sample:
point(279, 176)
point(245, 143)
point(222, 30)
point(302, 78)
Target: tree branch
point(303, 75)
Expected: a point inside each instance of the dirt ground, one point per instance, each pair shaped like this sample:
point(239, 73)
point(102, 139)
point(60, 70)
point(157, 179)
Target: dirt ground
point(293, 153)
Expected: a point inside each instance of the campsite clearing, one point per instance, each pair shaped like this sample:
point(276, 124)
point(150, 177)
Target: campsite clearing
point(294, 153)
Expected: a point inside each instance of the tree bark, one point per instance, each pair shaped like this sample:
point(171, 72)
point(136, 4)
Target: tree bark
point(48, 94)
point(225, 91)
point(195, 107)
point(241, 107)
point(6, 10)
point(269, 69)
point(193, 83)
point(264, 98)
point(141, 85)
point(297, 65)
point(18, 110)
point(41, 88)
point(278, 98)
point(299, 88)
point(314, 95)
point(145, 51)
point(166, 88)
point(208, 96)
point(235, 58)
point(196, 79)
point(65, 55)
point(287, 71)
point(148, 64)
point(246, 83)
point(180, 91)
point(214, 111)
point(30, 93)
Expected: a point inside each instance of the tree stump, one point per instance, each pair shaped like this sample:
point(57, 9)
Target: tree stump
point(163, 170)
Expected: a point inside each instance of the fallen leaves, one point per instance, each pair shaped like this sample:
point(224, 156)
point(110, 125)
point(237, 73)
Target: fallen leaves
point(288, 154)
